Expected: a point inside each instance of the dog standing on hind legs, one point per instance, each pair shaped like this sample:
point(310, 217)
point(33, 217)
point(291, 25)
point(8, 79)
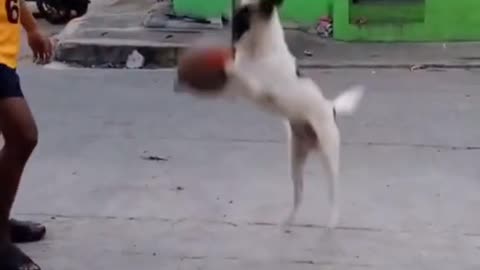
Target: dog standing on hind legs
point(265, 72)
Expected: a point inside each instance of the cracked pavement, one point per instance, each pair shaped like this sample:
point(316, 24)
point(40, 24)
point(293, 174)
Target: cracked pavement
point(218, 187)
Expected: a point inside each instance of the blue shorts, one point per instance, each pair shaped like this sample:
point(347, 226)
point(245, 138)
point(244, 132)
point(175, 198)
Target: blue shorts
point(9, 83)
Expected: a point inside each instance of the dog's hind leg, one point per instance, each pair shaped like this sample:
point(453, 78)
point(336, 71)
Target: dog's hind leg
point(298, 153)
point(329, 147)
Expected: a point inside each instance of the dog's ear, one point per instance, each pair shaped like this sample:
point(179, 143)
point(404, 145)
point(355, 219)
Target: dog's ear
point(267, 6)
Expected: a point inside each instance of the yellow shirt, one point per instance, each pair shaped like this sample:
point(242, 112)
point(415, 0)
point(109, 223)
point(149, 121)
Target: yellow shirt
point(10, 32)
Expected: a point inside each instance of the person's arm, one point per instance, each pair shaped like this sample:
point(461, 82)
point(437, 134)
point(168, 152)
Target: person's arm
point(39, 43)
point(26, 18)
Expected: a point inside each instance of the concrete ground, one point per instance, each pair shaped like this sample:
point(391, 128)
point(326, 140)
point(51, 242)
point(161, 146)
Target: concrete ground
point(410, 177)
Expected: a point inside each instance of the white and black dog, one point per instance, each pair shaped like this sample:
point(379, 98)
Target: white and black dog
point(265, 72)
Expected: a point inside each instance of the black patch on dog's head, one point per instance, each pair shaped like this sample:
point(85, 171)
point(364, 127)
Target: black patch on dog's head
point(241, 22)
point(276, 3)
point(242, 18)
point(266, 7)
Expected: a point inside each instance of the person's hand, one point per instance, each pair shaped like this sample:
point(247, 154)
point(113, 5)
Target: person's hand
point(41, 46)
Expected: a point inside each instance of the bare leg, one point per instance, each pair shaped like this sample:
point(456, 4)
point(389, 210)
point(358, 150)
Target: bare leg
point(20, 134)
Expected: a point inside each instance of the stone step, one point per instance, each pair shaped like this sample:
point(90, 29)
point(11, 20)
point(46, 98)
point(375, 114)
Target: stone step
point(107, 41)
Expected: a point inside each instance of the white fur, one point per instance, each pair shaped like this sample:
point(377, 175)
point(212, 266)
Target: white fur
point(264, 72)
point(347, 102)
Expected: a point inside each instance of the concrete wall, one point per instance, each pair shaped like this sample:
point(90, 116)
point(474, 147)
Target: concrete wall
point(440, 20)
point(299, 11)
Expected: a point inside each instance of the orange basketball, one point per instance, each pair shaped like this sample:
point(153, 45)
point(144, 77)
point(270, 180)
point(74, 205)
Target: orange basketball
point(204, 69)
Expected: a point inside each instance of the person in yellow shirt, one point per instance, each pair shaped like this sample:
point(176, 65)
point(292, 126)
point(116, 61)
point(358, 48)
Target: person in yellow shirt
point(18, 128)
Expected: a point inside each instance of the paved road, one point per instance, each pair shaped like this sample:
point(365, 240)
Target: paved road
point(410, 180)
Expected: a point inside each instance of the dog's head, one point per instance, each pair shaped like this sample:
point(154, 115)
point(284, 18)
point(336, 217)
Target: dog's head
point(251, 13)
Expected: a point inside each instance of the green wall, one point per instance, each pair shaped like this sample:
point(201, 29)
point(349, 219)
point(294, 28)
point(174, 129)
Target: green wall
point(435, 20)
point(299, 11)
point(199, 8)
point(431, 20)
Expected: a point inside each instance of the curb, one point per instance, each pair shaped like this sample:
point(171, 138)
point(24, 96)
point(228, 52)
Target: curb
point(413, 66)
point(115, 56)
point(164, 55)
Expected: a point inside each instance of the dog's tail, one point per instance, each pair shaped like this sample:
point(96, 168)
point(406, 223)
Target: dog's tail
point(347, 102)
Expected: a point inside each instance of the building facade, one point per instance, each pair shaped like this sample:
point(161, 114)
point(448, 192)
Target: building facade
point(370, 20)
